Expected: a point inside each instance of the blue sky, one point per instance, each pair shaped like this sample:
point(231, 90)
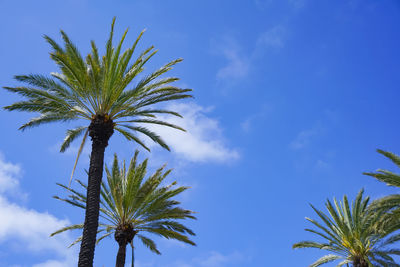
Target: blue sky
point(292, 98)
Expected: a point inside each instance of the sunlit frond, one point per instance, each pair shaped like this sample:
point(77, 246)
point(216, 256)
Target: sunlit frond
point(352, 232)
point(86, 87)
point(129, 198)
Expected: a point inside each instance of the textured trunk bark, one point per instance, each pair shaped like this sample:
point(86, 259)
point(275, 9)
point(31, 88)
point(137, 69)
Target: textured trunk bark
point(124, 235)
point(360, 263)
point(133, 254)
point(121, 255)
point(100, 130)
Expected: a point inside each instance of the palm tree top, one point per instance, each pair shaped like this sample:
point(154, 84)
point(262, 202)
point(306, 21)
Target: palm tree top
point(132, 203)
point(352, 234)
point(100, 88)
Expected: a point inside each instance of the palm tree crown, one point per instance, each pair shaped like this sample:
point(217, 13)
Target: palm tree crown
point(132, 206)
point(96, 87)
point(353, 235)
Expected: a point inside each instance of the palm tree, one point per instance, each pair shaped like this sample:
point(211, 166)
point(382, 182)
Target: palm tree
point(96, 89)
point(389, 203)
point(353, 235)
point(131, 206)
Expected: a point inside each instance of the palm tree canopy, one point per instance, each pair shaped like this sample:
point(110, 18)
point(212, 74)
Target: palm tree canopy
point(128, 200)
point(99, 87)
point(353, 234)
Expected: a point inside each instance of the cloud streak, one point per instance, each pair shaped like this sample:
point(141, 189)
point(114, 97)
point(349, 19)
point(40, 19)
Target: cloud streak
point(237, 63)
point(203, 140)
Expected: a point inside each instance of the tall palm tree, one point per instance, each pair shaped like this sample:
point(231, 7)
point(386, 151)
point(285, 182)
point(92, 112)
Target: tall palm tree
point(100, 90)
point(131, 205)
point(389, 203)
point(353, 235)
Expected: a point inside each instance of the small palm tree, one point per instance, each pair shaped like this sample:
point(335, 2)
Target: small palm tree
point(132, 206)
point(98, 89)
point(353, 235)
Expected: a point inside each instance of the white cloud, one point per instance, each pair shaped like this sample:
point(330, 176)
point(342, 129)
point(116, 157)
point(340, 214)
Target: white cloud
point(294, 4)
point(297, 4)
point(238, 64)
point(203, 140)
point(7, 173)
point(273, 37)
point(248, 123)
point(216, 259)
point(304, 137)
point(28, 228)
point(237, 67)
point(213, 259)
point(321, 165)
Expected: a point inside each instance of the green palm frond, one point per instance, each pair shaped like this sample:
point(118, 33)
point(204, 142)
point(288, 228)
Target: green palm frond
point(389, 205)
point(352, 232)
point(385, 176)
point(325, 259)
point(90, 86)
point(310, 244)
point(71, 227)
point(129, 198)
point(150, 244)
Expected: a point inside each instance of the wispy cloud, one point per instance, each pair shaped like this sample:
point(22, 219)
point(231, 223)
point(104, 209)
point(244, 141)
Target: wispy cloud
point(297, 4)
point(237, 63)
point(294, 4)
point(240, 62)
point(213, 259)
point(203, 140)
point(304, 137)
point(248, 123)
point(310, 156)
point(8, 173)
point(28, 228)
point(216, 259)
point(273, 37)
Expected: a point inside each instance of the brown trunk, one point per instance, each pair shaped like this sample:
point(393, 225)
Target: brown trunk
point(124, 234)
point(100, 130)
point(360, 262)
point(121, 255)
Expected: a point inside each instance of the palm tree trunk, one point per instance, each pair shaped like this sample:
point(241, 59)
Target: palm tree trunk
point(360, 263)
point(100, 130)
point(133, 254)
point(121, 255)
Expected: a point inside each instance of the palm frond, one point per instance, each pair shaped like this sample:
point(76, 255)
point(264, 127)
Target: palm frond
point(325, 259)
point(150, 244)
point(351, 232)
point(93, 85)
point(67, 228)
point(79, 154)
point(127, 198)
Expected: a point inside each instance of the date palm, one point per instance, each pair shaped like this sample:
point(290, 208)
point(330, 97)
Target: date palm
point(101, 90)
point(353, 234)
point(131, 206)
